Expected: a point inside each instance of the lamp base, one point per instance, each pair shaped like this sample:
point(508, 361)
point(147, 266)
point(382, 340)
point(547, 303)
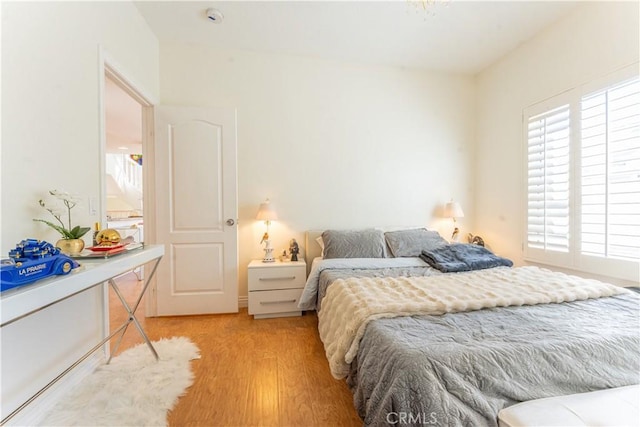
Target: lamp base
point(268, 254)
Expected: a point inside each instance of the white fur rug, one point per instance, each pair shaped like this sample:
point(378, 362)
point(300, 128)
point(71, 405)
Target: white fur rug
point(133, 390)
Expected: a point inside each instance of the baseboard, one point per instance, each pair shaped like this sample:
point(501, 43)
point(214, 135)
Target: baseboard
point(243, 301)
point(34, 413)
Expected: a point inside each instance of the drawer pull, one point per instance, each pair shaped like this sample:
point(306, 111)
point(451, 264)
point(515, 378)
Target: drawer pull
point(269, 279)
point(277, 302)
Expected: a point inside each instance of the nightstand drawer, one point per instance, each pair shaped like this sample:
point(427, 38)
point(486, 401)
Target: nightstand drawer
point(271, 302)
point(271, 278)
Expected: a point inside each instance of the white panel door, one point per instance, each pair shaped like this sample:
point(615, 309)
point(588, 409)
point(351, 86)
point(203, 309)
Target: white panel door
point(196, 210)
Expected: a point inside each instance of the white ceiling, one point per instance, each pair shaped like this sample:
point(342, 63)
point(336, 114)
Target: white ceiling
point(455, 36)
point(460, 36)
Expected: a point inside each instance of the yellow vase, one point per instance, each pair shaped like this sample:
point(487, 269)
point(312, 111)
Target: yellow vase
point(70, 246)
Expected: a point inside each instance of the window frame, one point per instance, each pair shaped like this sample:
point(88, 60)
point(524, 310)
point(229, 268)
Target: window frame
point(574, 259)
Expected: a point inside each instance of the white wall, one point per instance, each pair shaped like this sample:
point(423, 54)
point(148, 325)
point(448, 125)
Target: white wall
point(594, 40)
point(50, 119)
point(332, 144)
point(50, 140)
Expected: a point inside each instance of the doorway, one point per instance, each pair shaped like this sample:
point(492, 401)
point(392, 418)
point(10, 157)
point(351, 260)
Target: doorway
point(126, 162)
point(123, 163)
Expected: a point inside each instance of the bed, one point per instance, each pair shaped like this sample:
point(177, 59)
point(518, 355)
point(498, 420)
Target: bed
point(483, 340)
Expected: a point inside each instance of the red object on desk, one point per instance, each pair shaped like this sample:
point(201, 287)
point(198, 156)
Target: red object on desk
point(109, 249)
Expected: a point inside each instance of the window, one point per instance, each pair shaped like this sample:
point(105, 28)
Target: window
point(548, 180)
point(610, 172)
point(583, 179)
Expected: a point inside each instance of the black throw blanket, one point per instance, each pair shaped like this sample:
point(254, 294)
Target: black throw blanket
point(459, 257)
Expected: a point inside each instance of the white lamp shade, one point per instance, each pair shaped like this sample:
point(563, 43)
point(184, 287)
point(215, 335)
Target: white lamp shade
point(266, 212)
point(453, 210)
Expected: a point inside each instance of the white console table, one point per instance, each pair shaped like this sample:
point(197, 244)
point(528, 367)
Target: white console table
point(23, 301)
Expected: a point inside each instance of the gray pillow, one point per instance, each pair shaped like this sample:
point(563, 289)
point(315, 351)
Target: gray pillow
point(353, 244)
point(410, 243)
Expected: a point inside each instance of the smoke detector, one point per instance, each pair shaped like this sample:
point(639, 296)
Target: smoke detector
point(214, 15)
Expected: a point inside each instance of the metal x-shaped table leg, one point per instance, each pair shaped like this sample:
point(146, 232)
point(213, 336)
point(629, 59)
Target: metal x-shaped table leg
point(131, 312)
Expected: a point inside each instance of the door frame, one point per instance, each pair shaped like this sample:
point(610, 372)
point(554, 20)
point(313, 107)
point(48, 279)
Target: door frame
point(109, 67)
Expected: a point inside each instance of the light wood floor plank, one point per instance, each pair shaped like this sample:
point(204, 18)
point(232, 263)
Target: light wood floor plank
point(295, 391)
point(262, 398)
point(270, 372)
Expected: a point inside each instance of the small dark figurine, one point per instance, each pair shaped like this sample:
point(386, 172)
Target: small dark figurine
point(475, 240)
point(294, 249)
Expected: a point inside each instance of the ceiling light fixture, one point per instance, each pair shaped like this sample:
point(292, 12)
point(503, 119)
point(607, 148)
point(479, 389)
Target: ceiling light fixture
point(214, 15)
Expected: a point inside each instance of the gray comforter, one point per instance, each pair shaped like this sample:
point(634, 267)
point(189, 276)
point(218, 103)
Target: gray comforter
point(461, 369)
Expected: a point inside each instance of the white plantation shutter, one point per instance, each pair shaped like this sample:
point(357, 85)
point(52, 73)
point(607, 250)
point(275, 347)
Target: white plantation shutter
point(610, 172)
point(582, 159)
point(548, 165)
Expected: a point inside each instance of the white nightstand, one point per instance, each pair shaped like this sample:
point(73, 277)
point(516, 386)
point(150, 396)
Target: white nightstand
point(275, 288)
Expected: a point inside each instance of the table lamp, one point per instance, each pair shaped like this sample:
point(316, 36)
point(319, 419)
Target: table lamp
point(267, 214)
point(453, 210)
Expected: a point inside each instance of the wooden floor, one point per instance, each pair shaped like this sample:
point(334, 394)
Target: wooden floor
point(270, 372)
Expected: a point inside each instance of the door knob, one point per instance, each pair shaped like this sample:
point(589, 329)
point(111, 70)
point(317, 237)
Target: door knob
point(230, 222)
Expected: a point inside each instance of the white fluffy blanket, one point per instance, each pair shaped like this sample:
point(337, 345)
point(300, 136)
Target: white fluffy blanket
point(351, 304)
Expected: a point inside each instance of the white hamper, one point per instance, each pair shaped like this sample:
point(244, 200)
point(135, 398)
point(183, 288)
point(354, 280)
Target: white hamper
point(612, 407)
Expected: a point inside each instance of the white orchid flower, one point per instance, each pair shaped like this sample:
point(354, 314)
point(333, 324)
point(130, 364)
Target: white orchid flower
point(62, 195)
point(69, 201)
